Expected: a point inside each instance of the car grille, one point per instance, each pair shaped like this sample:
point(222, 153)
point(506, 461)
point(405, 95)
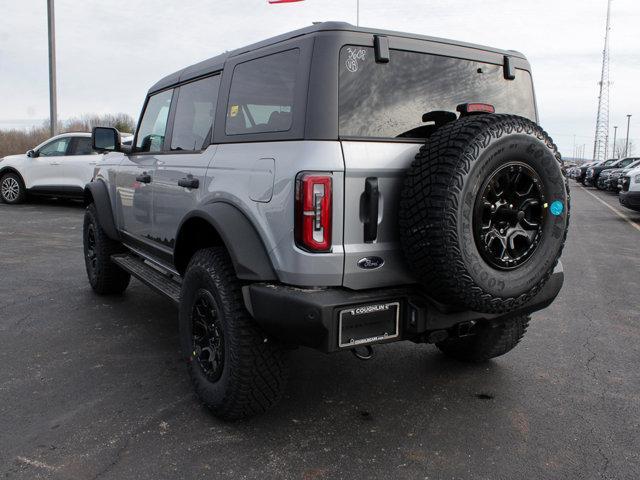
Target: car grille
point(626, 181)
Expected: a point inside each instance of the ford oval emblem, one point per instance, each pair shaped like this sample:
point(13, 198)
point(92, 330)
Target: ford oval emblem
point(370, 263)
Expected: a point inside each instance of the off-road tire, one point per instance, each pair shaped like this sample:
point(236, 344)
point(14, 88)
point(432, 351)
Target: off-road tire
point(105, 277)
point(255, 369)
point(489, 341)
point(436, 214)
point(16, 183)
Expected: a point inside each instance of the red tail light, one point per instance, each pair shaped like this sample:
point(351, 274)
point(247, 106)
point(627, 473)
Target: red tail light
point(313, 212)
point(471, 108)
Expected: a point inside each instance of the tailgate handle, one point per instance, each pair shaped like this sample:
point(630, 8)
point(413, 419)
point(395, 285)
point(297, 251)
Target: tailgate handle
point(370, 209)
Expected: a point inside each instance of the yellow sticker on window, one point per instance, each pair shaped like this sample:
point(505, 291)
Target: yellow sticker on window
point(234, 110)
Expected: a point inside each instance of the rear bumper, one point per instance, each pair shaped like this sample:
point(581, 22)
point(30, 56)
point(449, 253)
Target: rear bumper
point(630, 199)
point(310, 317)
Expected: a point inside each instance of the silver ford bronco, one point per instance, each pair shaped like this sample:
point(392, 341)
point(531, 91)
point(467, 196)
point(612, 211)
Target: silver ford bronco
point(334, 187)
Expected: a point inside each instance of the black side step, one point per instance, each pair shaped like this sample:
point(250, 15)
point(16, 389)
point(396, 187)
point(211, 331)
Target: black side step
point(162, 283)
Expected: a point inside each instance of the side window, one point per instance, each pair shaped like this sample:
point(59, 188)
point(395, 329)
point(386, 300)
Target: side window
point(81, 146)
point(154, 123)
point(195, 110)
point(57, 148)
point(262, 93)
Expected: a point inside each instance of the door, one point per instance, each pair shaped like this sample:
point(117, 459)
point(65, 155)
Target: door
point(44, 170)
point(135, 178)
point(76, 167)
point(181, 172)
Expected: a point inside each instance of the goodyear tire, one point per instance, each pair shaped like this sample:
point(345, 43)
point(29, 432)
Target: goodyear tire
point(236, 370)
point(484, 212)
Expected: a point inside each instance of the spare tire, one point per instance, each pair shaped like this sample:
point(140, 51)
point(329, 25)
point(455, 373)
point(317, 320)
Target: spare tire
point(484, 212)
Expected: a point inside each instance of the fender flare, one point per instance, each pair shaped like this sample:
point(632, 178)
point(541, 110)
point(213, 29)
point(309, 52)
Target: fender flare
point(97, 193)
point(246, 249)
point(10, 169)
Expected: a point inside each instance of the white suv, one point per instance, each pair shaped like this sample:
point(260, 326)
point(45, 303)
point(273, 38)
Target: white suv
point(630, 193)
point(60, 167)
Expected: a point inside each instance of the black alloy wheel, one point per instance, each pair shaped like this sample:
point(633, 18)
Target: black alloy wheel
point(509, 215)
point(90, 251)
point(207, 335)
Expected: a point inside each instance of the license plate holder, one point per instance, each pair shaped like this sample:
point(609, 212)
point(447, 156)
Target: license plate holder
point(367, 324)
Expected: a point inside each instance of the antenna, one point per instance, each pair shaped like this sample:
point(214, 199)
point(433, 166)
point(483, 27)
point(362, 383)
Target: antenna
point(601, 141)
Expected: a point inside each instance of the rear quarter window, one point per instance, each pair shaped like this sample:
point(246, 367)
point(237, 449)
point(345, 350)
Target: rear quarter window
point(261, 97)
point(387, 100)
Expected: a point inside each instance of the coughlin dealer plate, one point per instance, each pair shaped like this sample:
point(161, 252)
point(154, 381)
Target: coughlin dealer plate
point(368, 324)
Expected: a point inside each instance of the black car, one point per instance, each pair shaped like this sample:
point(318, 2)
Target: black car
point(593, 173)
point(618, 174)
point(581, 172)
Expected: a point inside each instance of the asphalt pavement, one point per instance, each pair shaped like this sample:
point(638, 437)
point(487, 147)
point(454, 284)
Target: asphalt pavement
point(94, 387)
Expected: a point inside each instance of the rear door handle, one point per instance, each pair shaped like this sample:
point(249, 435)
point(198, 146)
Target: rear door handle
point(54, 163)
point(144, 178)
point(189, 182)
point(370, 213)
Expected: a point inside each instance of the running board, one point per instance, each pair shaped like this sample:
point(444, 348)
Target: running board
point(161, 282)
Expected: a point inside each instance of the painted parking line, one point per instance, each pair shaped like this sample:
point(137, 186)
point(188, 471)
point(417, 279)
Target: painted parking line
point(614, 210)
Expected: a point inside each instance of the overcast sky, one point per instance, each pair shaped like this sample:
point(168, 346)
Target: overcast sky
point(110, 53)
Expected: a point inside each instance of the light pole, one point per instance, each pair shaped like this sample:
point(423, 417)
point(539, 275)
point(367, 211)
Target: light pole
point(615, 132)
point(53, 104)
point(626, 144)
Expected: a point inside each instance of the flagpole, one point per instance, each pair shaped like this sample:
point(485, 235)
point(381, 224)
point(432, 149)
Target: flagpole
point(357, 13)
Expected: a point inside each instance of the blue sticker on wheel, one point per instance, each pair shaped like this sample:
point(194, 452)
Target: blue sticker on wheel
point(556, 207)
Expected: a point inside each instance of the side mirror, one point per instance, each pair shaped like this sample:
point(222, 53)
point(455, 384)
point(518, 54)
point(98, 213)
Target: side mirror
point(105, 139)
point(31, 153)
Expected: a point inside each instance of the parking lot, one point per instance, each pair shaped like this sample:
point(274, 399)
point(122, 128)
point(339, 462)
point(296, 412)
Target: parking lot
point(94, 387)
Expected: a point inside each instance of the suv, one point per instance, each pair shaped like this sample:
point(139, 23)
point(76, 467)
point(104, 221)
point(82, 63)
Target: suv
point(334, 187)
point(60, 167)
point(630, 189)
point(615, 179)
point(593, 173)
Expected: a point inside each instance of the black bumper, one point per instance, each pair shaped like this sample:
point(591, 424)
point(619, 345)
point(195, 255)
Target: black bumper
point(630, 200)
point(309, 317)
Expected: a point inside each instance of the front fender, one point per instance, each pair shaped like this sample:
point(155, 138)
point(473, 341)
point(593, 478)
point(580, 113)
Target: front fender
point(97, 193)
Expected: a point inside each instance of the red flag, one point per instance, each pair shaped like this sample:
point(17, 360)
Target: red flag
point(285, 1)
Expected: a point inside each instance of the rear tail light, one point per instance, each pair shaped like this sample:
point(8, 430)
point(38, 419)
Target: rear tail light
point(313, 212)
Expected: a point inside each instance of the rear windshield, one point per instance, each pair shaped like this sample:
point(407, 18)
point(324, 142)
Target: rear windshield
point(387, 100)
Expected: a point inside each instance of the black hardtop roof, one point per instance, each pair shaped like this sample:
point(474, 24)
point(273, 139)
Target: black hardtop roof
point(217, 63)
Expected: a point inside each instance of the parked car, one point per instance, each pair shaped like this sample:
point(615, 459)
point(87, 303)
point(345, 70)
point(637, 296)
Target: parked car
point(59, 167)
point(615, 178)
point(594, 172)
point(580, 173)
point(331, 188)
point(630, 191)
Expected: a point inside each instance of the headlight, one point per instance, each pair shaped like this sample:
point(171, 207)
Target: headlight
point(637, 178)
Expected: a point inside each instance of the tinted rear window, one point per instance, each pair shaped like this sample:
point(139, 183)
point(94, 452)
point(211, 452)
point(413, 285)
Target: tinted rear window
point(195, 110)
point(262, 93)
point(387, 100)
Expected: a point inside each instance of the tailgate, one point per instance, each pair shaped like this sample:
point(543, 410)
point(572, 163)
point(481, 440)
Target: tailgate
point(370, 166)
